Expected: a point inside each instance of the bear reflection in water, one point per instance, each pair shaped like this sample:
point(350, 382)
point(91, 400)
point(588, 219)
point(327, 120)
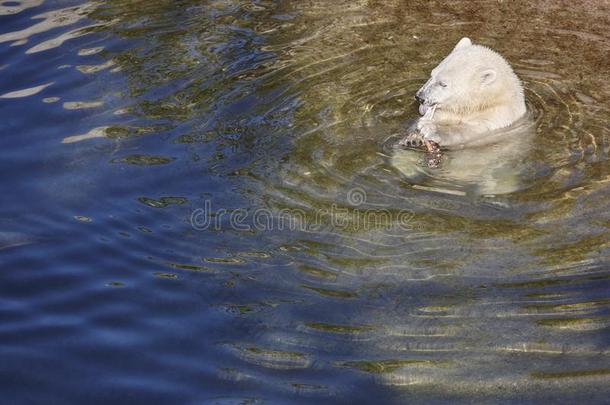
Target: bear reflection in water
point(499, 164)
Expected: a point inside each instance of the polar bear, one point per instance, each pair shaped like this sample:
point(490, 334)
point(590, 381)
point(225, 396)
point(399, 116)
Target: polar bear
point(470, 94)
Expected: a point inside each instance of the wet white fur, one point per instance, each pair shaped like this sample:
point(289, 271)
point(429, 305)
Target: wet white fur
point(475, 91)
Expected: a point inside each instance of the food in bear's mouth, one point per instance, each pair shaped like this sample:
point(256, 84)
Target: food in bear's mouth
point(429, 111)
point(434, 154)
point(432, 147)
point(424, 108)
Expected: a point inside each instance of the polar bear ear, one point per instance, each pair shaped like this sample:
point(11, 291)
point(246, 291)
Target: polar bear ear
point(464, 43)
point(488, 76)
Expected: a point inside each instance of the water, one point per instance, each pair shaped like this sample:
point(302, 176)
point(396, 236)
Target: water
point(349, 272)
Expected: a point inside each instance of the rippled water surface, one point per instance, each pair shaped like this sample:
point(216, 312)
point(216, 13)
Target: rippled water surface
point(200, 205)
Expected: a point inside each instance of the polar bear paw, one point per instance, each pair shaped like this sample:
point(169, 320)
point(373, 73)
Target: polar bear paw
point(414, 140)
point(424, 134)
point(428, 131)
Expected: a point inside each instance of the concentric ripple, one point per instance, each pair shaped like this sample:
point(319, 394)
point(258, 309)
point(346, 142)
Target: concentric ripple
point(203, 204)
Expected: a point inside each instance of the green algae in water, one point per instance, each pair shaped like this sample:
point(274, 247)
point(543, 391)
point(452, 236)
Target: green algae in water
point(195, 138)
point(317, 272)
point(389, 366)
point(165, 275)
point(332, 293)
point(117, 132)
point(275, 359)
point(190, 267)
point(274, 353)
point(308, 387)
point(569, 306)
point(116, 284)
point(572, 322)
point(345, 329)
point(123, 132)
point(162, 202)
point(242, 309)
point(259, 255)
point(356, 261)
point(543, 375)
point(224, 260)
point(143, 160)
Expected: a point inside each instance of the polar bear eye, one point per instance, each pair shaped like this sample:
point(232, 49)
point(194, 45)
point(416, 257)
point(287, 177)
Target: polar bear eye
point(442, 84)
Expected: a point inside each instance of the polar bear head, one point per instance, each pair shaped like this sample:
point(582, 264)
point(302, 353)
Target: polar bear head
point(471, 79)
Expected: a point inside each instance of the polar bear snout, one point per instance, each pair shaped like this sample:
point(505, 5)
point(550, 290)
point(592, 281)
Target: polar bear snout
point(422, 95)
point(425, 102)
